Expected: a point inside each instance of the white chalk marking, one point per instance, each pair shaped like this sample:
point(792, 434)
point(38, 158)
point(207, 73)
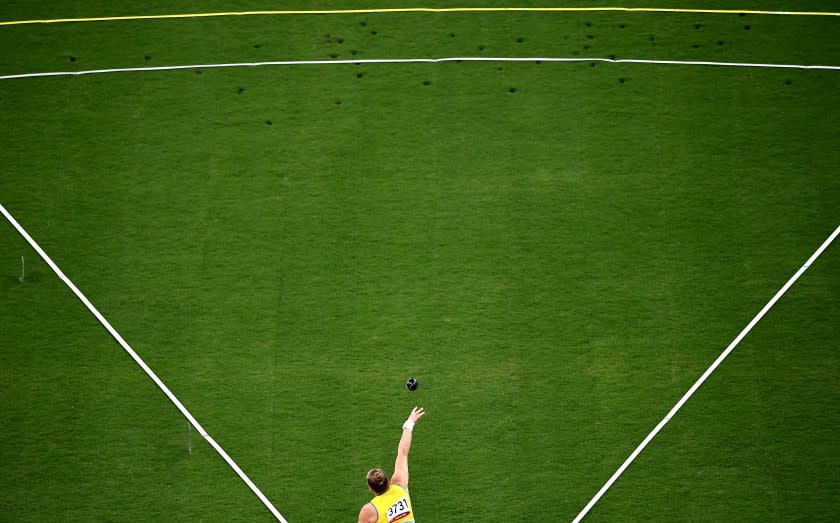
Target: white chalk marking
point(141, 363)
point(705, 375)
point(414, 60)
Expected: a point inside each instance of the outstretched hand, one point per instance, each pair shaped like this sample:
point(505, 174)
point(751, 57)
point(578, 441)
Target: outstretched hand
point(416, 414)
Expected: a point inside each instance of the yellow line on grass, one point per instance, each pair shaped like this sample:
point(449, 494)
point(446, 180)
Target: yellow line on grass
point(420, 10)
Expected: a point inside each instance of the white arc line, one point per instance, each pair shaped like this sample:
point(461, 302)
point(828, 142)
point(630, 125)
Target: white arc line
point(416, 60)
point(142, 364)
point(705, 375)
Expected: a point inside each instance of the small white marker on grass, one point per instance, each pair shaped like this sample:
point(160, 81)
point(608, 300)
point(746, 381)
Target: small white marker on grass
point(20, 278)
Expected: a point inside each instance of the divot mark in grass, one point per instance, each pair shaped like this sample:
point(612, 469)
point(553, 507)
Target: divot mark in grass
point(586, 46)
point(788, 82)
point(590, 37)
point(451, 35)
point(72, 58)
point(622, 26)
point(363, 23)
point(611, 56)
point(720, 42)
point(500, 69)
point(354, 52)
point(240, 90)
point(426, 82)
point(198, 71)
point(333, 55)
point(359, 75)
point(257, 46)
point(512, 90)
point(695, 46)
point(269, 122)
point(147, 57)
point(481, 48)
point(338, 102)
point(651, 38)
point(588, 24)
point(698, 26)
point(340, 40)
point(519, 39)
point(747, 27)
point(622, 80)
point(373, 33)
point(593, 64)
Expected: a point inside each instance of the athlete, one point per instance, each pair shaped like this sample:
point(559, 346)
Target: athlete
point(392, 503)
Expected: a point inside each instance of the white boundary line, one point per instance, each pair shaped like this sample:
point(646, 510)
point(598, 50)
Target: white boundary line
point(416, 60)
point(142, 364)
point(705, 375)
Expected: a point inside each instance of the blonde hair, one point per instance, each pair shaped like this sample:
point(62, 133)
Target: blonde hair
point(377, 481)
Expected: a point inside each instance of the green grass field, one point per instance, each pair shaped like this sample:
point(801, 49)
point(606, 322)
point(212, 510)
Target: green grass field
point(557, 251)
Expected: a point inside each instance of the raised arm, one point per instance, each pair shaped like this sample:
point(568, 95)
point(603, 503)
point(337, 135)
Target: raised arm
point(400, 476)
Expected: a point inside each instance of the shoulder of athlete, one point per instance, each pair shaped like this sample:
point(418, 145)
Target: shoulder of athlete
point(367, 514)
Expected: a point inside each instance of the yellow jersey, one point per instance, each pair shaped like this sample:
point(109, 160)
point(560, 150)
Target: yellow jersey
point(393, 506)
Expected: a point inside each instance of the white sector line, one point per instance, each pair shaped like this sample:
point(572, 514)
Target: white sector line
point(705, 375)
point(142, 364)
point(415, 60)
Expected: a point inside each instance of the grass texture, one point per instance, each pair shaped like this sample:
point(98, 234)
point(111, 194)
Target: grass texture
point(555, 251)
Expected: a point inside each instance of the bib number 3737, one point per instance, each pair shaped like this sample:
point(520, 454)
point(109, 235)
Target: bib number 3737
point(398, 510)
